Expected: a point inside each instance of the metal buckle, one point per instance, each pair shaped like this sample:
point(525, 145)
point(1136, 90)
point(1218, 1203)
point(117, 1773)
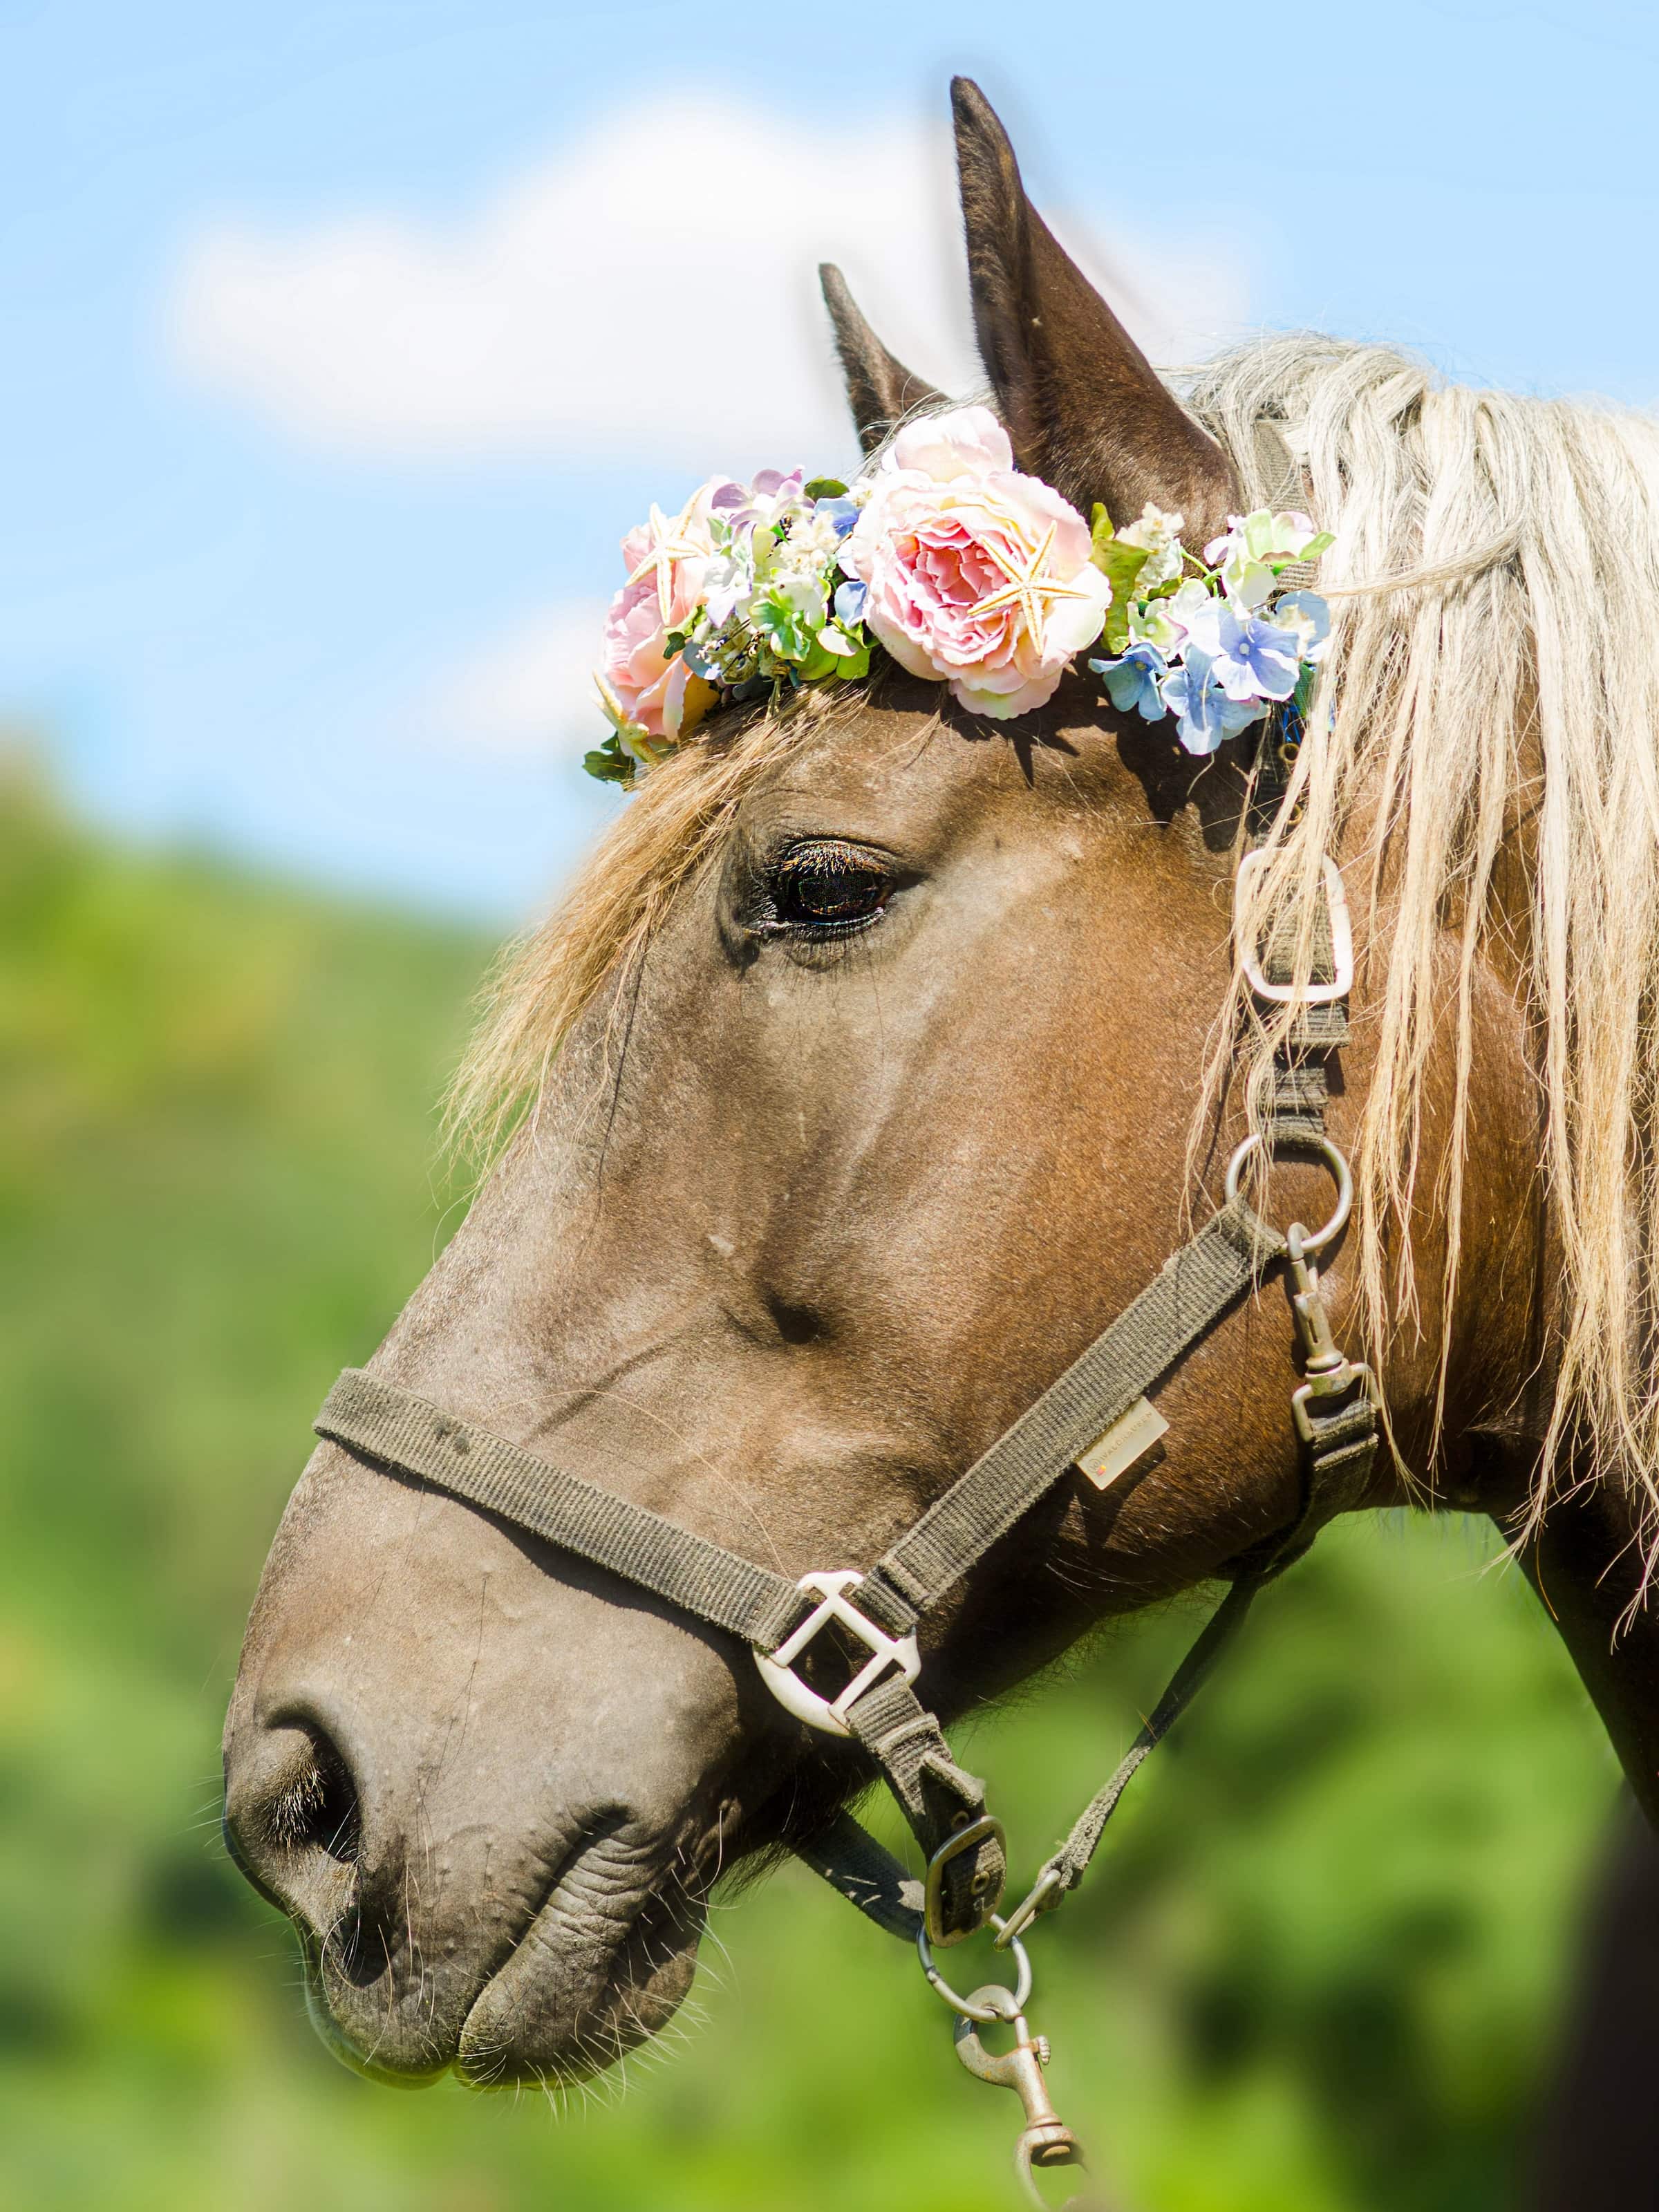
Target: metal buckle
point(966, 1838)
point(829, 1714)
point(1334, 1385)
point(1249, 957)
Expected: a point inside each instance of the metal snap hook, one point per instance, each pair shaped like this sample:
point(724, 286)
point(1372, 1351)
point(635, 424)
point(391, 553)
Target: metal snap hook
point(1046, 2142)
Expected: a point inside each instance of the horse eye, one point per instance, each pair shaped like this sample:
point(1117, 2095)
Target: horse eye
point(825, 888)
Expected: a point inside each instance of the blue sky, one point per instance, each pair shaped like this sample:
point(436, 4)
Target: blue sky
point(343, 342)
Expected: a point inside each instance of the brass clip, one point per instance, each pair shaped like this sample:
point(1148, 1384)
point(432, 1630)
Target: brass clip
point(1047, 2142)
point(1330, 1373)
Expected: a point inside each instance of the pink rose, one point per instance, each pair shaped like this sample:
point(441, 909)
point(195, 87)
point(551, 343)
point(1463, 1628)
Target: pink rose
point(668, 562)
point(975, 575)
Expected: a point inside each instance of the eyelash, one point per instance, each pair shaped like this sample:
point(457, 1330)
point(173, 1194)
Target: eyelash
point(824, 859)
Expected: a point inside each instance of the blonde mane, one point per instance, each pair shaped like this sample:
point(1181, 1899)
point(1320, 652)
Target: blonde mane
point(1495, 677)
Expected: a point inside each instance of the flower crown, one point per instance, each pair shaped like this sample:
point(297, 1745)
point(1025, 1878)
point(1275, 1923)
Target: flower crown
point(966, 573)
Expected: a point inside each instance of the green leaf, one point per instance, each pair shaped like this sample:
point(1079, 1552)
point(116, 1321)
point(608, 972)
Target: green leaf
point(1122, 564)
point(1101, 534)
point(824, 488)
point(818, 663)
point(608, 763)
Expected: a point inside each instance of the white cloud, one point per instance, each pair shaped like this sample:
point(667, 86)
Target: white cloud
point(647, 294)
point(528, 690)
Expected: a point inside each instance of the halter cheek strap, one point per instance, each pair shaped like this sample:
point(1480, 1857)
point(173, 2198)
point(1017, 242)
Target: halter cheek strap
point(880, 1609)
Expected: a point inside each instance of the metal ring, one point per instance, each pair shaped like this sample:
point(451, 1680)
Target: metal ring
point(1022, 1989)
point(1258, 1141)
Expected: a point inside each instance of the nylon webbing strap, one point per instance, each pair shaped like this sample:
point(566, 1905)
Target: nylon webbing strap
point(866, 1874)
point(938, 1797)
point(1281, 484)
point(1071, 1862)
point(406, 1433)
point(1191, 1292)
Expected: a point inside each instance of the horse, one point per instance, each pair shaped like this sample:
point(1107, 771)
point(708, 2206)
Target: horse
point(879, 1059)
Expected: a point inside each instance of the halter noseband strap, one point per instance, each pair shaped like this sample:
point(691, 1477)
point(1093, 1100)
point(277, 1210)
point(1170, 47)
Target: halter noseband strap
point(1335, 1417)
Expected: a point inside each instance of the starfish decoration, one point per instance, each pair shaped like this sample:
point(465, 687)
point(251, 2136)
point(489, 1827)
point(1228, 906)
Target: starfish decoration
point(669, 543)
point(1027, 587)
point(610, 706)
point(639, 744)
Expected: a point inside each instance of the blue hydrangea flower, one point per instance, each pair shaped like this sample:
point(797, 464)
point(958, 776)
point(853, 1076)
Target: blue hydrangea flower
point(849, 601)
point(1307, 618)
point(843, 512)
point(1133, 681)
point(1257, 659)
point(1207, 714)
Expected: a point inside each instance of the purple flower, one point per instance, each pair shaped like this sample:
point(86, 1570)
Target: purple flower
point(1132, 680)
point(1257, 659)
point(767, 500)
point(1207, 714)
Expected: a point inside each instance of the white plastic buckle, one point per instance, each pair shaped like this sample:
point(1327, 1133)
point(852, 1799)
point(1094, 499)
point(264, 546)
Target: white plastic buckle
point(1313, 995)
point(787, 1686)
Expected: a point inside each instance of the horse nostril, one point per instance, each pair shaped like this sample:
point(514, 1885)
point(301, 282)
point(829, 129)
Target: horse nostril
point(294, 1821)
point(316, 1809)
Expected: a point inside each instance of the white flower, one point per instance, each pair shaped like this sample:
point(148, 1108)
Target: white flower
point(1197, 612)
point(1245, 576)
point(813, 544)
point(729, 579)
point(1160, 533)
point(1151, 623)
point(1255, 541)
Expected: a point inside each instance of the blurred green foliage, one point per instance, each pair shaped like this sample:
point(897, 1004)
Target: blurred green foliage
point(1316, 1971)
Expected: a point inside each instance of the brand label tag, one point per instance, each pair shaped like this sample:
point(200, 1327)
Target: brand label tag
point(1130, 1437)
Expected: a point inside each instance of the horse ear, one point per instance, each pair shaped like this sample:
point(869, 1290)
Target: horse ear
point(880, 390)
point(1083, 405)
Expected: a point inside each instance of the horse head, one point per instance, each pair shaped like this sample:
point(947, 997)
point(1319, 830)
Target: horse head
point(863, 1073)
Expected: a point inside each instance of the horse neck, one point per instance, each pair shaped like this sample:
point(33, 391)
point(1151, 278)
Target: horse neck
point(1588, 1567)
